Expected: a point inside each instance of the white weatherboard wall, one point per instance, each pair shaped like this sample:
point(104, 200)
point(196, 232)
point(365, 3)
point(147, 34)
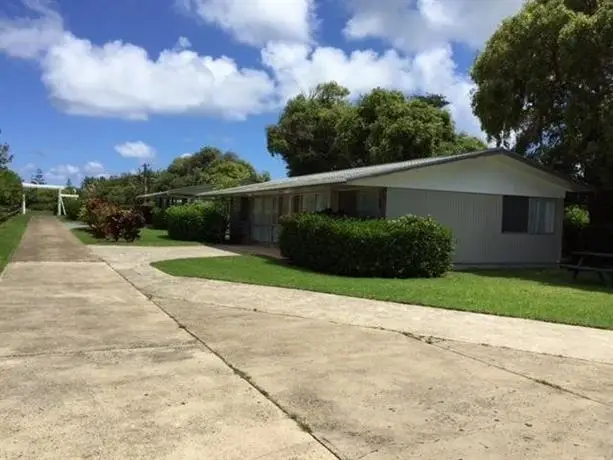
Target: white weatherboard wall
point(496, 174)
point(476, 222)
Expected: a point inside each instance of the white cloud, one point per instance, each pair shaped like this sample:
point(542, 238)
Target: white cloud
point(257, 22)
point(61, 173)
point(417, 25)
point(93, 168)
point(29, 167)
point(136, 149)
point(183, 43)
point(298, 68)
point(29, 38)
point(121, 80)
point(186, 155)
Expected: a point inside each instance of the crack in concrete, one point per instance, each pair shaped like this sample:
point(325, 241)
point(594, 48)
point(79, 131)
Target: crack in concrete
point(525, 376)
point(430, 340)
point(185, 345)
point(243, 375)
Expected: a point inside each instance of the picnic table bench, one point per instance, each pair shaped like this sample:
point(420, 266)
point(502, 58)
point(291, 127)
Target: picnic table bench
point(596, 262)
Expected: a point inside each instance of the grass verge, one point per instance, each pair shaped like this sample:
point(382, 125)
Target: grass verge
point(149, 237)
point(11, 232)
point(547, 295)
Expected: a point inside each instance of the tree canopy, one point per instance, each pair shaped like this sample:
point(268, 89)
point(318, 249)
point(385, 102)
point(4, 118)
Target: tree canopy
point(10, 189)
point(207, 166)
point(546, 78)
point(5, 155)
point(10, 182)
point(38, 177)
point(326, 131)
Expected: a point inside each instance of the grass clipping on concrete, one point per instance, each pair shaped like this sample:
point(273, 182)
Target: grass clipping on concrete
point(547, 295)
point(11, 232)
point(148, 237)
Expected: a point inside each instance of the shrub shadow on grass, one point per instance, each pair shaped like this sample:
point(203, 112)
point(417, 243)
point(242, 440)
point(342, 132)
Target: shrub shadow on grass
point(558, 277)
point(167, 238)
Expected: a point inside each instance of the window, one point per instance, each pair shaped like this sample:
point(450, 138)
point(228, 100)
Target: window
point(309, 202)
point(368, 203)
point(323, 201)
point(521, 214)
point(296, 201)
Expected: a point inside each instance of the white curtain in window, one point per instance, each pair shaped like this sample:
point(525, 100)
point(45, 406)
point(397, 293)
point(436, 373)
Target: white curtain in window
point(541, 217)
point(368, 203)
point(323, 201)
point(309, 202)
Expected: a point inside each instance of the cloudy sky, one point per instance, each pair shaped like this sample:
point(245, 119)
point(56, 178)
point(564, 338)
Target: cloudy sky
point(92, 87)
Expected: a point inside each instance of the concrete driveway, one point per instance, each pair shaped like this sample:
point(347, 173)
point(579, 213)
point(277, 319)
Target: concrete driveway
point(91, 368)
point(368, 384)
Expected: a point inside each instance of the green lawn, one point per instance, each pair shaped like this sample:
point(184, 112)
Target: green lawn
point(10, 236)
point(149, 237)
point(547, 295)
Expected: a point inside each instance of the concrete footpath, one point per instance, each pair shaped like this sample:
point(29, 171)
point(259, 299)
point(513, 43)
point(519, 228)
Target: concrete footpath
point(90, 368)
point(372, 393)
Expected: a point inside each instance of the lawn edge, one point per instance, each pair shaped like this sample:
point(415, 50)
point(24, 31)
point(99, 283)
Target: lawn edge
point(398, 302)
point(14, 248)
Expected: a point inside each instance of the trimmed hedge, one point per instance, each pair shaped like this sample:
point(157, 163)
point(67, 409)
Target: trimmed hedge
point(407, 247)
point(196, 222)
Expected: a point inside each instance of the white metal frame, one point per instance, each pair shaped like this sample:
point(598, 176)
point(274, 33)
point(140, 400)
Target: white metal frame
point(61, 209)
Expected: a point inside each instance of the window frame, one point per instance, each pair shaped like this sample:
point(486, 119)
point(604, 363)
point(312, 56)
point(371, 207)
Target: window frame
point(530, 225)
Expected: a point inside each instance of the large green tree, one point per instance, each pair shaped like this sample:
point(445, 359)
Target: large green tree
point(313, 130)
point(545, 78)
point(325, 131)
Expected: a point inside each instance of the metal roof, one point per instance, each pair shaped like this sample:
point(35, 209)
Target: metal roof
point(348, 175)
point(193, 190)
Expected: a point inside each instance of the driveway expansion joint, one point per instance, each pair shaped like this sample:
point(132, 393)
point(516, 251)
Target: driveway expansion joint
point(243, 375)
point(430, 340)
point(543, 382)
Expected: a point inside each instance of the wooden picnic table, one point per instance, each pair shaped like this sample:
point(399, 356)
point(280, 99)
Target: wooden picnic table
point(596, 262)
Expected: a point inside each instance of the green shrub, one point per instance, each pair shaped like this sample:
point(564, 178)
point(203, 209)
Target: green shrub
point(95, 213)
point(10, 189)
point(73, 208)
point(125, 224)
point(576, 216)
point(406, 247)
point(196, 222)
point(158, 218)
point(576, 221)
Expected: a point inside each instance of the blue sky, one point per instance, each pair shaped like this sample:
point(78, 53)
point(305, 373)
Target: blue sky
point(90, 87)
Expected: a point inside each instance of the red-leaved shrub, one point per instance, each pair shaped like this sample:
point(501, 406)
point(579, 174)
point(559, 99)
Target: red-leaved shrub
point(125, 224)
point(95, 213)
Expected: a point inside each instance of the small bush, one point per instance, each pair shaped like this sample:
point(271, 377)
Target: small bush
point(196, 222)
point(576, 216)
point(73, 208)
point(95, 213)
point(125, 224)
point(158, 218)
point(576, 220)
point(406, 247)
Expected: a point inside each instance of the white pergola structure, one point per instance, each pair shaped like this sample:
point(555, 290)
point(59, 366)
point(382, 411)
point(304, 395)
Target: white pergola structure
point(61, 210)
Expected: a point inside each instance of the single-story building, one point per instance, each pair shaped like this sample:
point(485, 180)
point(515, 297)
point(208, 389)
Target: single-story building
point(175, 196)
point(503, 209)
